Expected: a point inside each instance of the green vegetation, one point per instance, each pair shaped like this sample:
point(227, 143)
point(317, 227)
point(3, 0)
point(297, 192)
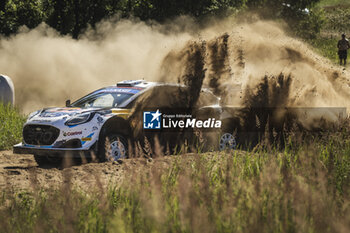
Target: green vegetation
point(335, 17)
point(74, 16)
point(326, 46)
point(327, 3)
point(302, 188)
point(320, 24)
point(10, 127)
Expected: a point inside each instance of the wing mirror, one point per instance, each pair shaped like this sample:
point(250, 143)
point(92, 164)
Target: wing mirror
point(67, 103)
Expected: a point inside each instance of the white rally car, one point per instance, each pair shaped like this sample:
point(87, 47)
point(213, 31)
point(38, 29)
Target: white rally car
point(83, 127)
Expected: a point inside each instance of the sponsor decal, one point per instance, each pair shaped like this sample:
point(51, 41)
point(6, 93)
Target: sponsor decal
point(68, 134)
point(86, 139)
point(57, 112)
point(99, 119)
point(128, 90)
point(94, 128)
point(157, 120)
point(65, 109)
point(42, 121)
point(121, 111)
point(151, 120)
point(52, 114)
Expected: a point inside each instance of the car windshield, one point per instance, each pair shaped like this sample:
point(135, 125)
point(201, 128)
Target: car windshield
point(102, 100)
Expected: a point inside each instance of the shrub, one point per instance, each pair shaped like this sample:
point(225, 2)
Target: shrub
point(11, 123)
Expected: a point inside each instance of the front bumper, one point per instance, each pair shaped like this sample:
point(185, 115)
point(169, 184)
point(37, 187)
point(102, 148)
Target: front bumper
point(56, 152)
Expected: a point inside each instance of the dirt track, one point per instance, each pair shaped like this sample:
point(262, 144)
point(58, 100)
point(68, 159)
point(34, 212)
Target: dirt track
point(21, 172)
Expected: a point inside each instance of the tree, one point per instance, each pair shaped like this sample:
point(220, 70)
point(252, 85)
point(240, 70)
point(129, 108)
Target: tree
point(161, 10)
point(74, 16)
point(299, 14)
point(60, 15)
point(17, 13)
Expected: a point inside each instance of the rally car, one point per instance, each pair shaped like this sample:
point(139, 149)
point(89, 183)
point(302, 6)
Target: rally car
point(85, 127)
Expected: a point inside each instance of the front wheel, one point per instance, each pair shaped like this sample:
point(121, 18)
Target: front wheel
point(113, 147)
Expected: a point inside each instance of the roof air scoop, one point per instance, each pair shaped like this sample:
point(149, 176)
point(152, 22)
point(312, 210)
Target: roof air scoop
point(129, 83)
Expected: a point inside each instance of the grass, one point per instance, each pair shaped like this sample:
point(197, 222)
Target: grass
point(325, 3)
point(326, 46)
point(10, 127)
point(302, 188)
point(336, 21)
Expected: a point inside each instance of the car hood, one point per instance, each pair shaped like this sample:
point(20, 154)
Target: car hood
point(60, 112)
point(48, 115)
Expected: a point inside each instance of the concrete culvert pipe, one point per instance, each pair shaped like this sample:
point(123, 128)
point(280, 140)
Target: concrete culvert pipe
point(7, 90)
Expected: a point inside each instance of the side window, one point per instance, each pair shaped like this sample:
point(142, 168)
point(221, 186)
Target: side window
point(133, 102)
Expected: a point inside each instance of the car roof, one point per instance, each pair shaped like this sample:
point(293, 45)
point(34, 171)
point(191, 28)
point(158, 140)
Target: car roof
point(136, 87)
point(133, 84)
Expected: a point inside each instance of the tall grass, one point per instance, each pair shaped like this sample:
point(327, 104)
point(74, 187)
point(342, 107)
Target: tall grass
point(327, 47)
point(327, 3)
point(11, 123)
point(301, 188)
point(336, 16)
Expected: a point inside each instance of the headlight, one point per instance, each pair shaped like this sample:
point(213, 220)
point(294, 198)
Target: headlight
point(33, 114)
point(79, 119)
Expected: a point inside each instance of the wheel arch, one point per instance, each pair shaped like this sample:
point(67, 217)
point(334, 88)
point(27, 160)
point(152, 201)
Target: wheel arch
point(116, 125)
point(230, 124)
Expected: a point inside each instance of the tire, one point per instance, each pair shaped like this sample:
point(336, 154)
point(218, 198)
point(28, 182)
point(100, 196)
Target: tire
point(41, 160)
point(227, 141)
point(113, 147)
point(44, 160)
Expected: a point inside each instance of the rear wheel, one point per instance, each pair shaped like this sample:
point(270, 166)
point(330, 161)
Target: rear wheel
point(227, 141)
point(113, 147)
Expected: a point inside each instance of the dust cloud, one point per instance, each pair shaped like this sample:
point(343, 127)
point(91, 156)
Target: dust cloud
point(47, 68)
point(257, 65)
point(246, 53)
point(233, 59)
